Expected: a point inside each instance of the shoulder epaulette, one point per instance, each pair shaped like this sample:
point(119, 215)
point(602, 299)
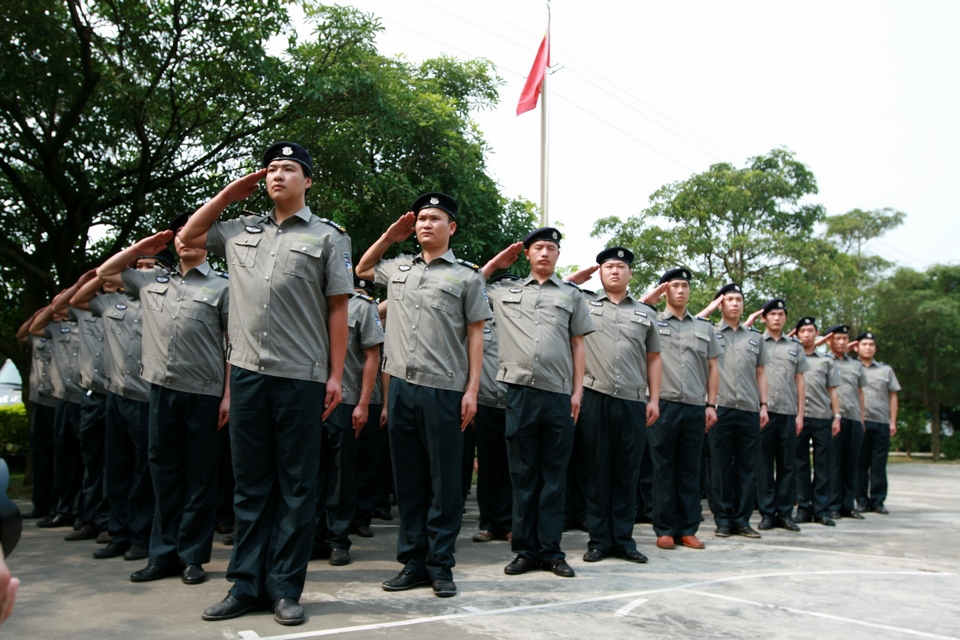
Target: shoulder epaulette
point(223, 274)
point(754, 330)
point(572, 284)
point(707, 320)
point(467, 263)
point(794, 340)
point(647, 304)
point(587, 291)
point(364, 296)
point(333, 224)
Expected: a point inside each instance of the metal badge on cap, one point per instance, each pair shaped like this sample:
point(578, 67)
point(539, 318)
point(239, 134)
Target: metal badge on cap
point(287, 151)
point(620, 253)
point(434, 200)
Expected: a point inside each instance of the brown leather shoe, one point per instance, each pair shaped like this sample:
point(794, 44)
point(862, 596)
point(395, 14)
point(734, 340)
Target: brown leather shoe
point(692, 542)
point(665, 542)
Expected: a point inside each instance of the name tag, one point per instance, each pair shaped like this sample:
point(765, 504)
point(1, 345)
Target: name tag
point(663, 324)
point(64, 329)
point(121, 306)
point(793, 353)
point(640, 313)
point(253, 229)
point(404, 267)
point(596, 303)
point(753, 342)
point(515, 290)
point(163, 279)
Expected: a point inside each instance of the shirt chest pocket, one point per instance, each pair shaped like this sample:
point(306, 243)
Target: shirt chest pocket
point(666, 338)
point(398, 283)
point(511, 305)
point(639, 327)
point(562, 310)
point(114, 321)
point(203, 306)
point(303, 260)
point(245, 250)
point(701, 342)
point(596, 314)
point(447, 297)
point(154, 296)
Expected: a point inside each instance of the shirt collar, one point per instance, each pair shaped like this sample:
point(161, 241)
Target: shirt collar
point(768, 336)
point(667, 314)
point(723, 325)
point(446, 255)
point(602, 295)
point(553, 278)
point(304, 214)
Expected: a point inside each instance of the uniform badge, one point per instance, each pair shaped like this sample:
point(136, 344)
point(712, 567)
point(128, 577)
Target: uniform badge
point(555, 235)
point(121, 306)
point(793, 353)
point(720, 336)
point(252, 229)
point(163, 279)
point(663, 324)
point(753, 342)
point(376, 317)
point(64, 329)
point(596, 303)
point(780, 305)
point(404, 267)
point(346, 262)
point(515, 290)
point(620, 253)
point(487, 330)
point(287, 151)
point(434, 200)
point(485, 297)
point(640, 313)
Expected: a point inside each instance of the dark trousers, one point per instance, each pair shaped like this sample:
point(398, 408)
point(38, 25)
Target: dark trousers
point(846, 458)
point(469, 457)
point(614, 437)
point(427, 448)
point(813, 496)
point(68, 462)
point(42, 453)
point(368, 475)
point(872, 472)
point(734, 448)
point(225, 483)
point(776, 482)
point(127, 476)
point(539, 433)
point(676, 446)
point(183, 455)
point(494, 493)
point(575, 503)
point(337, 493)
point(93, 424)
point(275, 443)
point(645, 502)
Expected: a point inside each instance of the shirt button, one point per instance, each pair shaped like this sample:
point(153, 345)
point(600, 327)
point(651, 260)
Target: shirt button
point(264, 333)
point(273, 253)
point(264, 306)
point(261, 368)
point(280, 231)
point(266, 277)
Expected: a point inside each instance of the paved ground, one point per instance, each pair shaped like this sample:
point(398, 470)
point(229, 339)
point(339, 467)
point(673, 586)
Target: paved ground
point(895, 576)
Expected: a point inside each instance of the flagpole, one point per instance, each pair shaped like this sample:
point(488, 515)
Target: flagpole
point(544, 139)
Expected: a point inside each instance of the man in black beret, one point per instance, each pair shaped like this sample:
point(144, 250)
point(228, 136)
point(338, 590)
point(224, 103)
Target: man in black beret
point(880, 406)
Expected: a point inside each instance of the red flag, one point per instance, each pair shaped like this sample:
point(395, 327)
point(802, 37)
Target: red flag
point(531, 89)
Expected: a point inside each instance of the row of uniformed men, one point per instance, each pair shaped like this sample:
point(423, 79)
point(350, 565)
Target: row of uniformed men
point(564, 356)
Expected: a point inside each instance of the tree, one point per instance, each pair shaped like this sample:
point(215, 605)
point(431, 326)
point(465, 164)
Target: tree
point(917, 325)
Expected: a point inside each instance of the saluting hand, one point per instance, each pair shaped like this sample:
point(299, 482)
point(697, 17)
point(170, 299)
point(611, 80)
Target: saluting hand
point(244, 187)
point(752, 318)
point(154, 244)
point(710, 308)
point(403, 228)
point(582, 276)
point(505, 258)
point(653, 297)
point(822, 339)
point(852, 346)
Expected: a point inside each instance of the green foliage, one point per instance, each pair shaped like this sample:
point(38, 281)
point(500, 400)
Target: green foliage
point(14, 430)
point(912, 436)
point(950, 446)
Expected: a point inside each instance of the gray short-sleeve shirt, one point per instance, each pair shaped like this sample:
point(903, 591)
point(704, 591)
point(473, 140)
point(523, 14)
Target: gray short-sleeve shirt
point(41, 386)
point(743, 352)
point(364, 331)
point(184, 321)
point(852, 379)
point(821, 376)
point(280, 279)
point(616, 360)
point(881, 382)
point(492, 393)
point(535, 323)
point(687, 345)
point(92, 350)
point(65, 372)
point(430, 308)
point(786, 361)
point(124, 333)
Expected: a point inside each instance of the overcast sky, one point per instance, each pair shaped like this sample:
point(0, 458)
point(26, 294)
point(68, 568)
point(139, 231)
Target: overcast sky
point(867, 94)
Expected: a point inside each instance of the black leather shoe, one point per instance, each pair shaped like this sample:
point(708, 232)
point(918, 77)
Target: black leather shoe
point(747, 532)
point(723, 531)
point(339, 557)
point(856, 515)
point(56, 521)
point(804, 516)
point(104, 538)
point(406, 580)
point(632, 555)
point(788, 524)
point(520, 564)
point(136, 552)
point(85, 532)
point(226, 609)
point(363, 531)
point(229, 539)
point(224, 527)
point(766, 523)
point(287, 611)
point(382, 514)
point(444, 588)
point(825, 520)
point(154, 572)
point(112, 550)
point(836, 515)
point(593, 555)
point(193, 574)
point(880, 509)
point(560, 568)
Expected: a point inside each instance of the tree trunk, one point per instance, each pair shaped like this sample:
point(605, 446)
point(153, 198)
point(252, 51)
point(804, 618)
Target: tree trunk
point(935, 431)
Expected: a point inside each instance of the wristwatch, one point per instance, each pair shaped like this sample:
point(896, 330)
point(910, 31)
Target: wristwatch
point(837, 416)
point(712, 406)
point(763, 404)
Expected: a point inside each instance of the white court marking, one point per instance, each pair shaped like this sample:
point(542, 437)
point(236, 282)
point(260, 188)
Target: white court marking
point(638, 599)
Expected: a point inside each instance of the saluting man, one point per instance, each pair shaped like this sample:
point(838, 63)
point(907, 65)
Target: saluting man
point(688, 409)
point(776, 481)
point(821, 424)
point(290, 279)
point(541, 322)
point(880, 406)
point(433, 352)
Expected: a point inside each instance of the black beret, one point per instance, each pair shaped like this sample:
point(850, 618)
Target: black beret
point(436, 200)
point(806, 321)
point(838, 328)
point(775, 305)
point(180, 221)
point(616, 253)
point(733, 287)
point(544, 233)
point(680, 273)
point(284, 150)
point(505, 276)
point(165, 258)
point(366, 285)
point(866, 335)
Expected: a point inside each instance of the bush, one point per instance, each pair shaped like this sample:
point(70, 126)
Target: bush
point(950, 446)
point(14, 430)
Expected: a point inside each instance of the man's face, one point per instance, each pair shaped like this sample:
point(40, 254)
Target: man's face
point(543, 256)
point(867, 348)
point(838, 342)
point(615, 275)
point(286, 181)
point(808, 335)
point(187, 252)
point(775, 319)
point(732, 306)
point(678, 293)
point(146, 264)
point(434, 228)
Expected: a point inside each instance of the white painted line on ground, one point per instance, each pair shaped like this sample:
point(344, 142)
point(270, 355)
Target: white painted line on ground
point(636, 595)
point(843, 553)
point(922, 493)
point(818, 614)
point(630, 606)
